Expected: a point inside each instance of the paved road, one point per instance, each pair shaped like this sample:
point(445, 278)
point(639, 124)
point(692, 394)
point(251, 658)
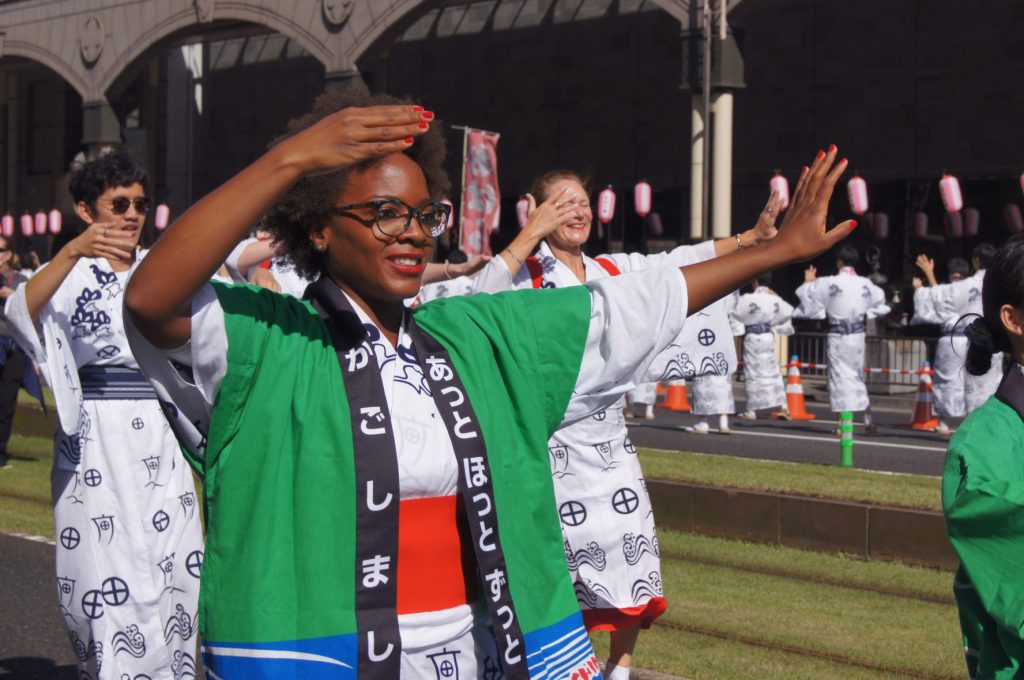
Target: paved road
point(32, 640)
point(895, 448)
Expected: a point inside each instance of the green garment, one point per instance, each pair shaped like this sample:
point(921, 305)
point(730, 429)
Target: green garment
point(983, 500)
point(279, 570)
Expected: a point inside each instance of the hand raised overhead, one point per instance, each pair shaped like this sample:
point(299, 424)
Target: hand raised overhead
point(353, 135)
point(803, 232)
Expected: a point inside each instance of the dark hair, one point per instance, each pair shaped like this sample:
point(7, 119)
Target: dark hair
point(763, 279)
point(848, 255)
point(542, 184)
point(1004, 285)
point(958, 265)
point(307, 205)
point(984, 252)
point(115, 169)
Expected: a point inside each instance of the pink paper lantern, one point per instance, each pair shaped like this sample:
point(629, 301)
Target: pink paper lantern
point(642, 198)
point(780, 185)
point(954, 225)
point(522, 211)
point(1014, 221)
point(972, 222)
point(55, 220)
point(40, 223)
point(880, 225)
point(857, 189)
point(920, 226)
point(606, 205)
point(7, 226)
point(949, 189)
point(27, 227)
point(162, 217)
point(654, 225)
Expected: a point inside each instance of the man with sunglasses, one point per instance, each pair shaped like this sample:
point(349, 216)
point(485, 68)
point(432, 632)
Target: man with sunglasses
point(129, 545)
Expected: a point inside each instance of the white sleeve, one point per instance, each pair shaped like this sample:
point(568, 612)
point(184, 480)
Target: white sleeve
point(877, 306)
point(925, 306)
point(633, 318)
point(782, 324)
point(811, 305)
point(677, 257)
point(237, 275)
point(188, 378)
point(495, 277)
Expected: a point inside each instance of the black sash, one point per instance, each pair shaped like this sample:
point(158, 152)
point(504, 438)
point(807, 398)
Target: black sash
point(376, 465)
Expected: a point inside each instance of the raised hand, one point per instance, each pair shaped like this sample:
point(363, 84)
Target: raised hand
point(765, 229)
point(804, 233)
point(927, 265)
point(264, 279)
point(353, 135)
point(469, 267)
point(545, 218)
point(103, 239)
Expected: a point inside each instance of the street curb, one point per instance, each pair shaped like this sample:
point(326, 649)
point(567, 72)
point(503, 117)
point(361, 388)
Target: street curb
point(804, 522)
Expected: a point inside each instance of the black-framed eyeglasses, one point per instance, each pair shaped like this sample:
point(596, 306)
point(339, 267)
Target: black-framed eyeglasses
point(120, 205)
point(393, 217)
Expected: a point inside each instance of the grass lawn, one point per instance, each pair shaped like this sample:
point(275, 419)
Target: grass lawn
point(824, 481)
point(790, 627)
point(746, 610)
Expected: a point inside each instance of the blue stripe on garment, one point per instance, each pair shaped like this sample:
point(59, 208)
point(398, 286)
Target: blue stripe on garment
point(316, 659)
point(562, 652)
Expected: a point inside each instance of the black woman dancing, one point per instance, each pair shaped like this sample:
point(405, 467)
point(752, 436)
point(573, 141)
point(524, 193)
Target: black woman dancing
point(377, 481)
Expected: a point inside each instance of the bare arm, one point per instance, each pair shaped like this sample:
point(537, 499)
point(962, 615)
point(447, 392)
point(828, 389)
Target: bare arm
point(95, 241)
point(803, 236)
point(254, 254)
point(763, 230)
point(445, 271)
point(543, 219)
point(159, 295)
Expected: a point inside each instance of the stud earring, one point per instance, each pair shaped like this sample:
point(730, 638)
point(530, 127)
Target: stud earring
point(319, 247)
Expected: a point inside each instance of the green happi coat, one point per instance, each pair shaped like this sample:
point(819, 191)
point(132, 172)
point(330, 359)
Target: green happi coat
point(280, 568)
point(983, 500)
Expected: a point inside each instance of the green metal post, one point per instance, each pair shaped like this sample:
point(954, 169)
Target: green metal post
point(846, 439)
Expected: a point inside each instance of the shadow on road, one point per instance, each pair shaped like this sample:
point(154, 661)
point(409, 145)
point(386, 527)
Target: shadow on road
point(34, 668)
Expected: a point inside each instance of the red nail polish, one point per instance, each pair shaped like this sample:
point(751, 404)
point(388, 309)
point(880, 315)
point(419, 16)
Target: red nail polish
point(853, 224)
point(408, 140)
point(831, 148)
point(423, 126)
point(428, 115)
point(806, 168)
point(417, 109)
point(843, 162)
point(821, 154)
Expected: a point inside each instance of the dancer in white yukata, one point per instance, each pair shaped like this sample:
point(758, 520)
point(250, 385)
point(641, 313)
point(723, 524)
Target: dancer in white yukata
point(712, 391)
point(613, 554)
point(957, 392)
point(763, 315)
point(126, 518)
point(846, 299)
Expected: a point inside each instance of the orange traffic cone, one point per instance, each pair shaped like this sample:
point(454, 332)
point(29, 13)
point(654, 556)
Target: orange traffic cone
point(661, 389)
point(924, 417)
point(795, 393)
point(675, 398)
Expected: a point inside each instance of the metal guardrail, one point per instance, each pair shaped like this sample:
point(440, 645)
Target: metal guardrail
point(902, 355)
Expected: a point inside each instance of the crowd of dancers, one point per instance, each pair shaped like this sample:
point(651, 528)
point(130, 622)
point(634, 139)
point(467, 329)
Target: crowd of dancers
point(400, 478)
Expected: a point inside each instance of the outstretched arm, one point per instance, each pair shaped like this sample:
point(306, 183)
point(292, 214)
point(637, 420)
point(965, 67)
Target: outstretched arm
point(802, 237)
point(160, 293)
